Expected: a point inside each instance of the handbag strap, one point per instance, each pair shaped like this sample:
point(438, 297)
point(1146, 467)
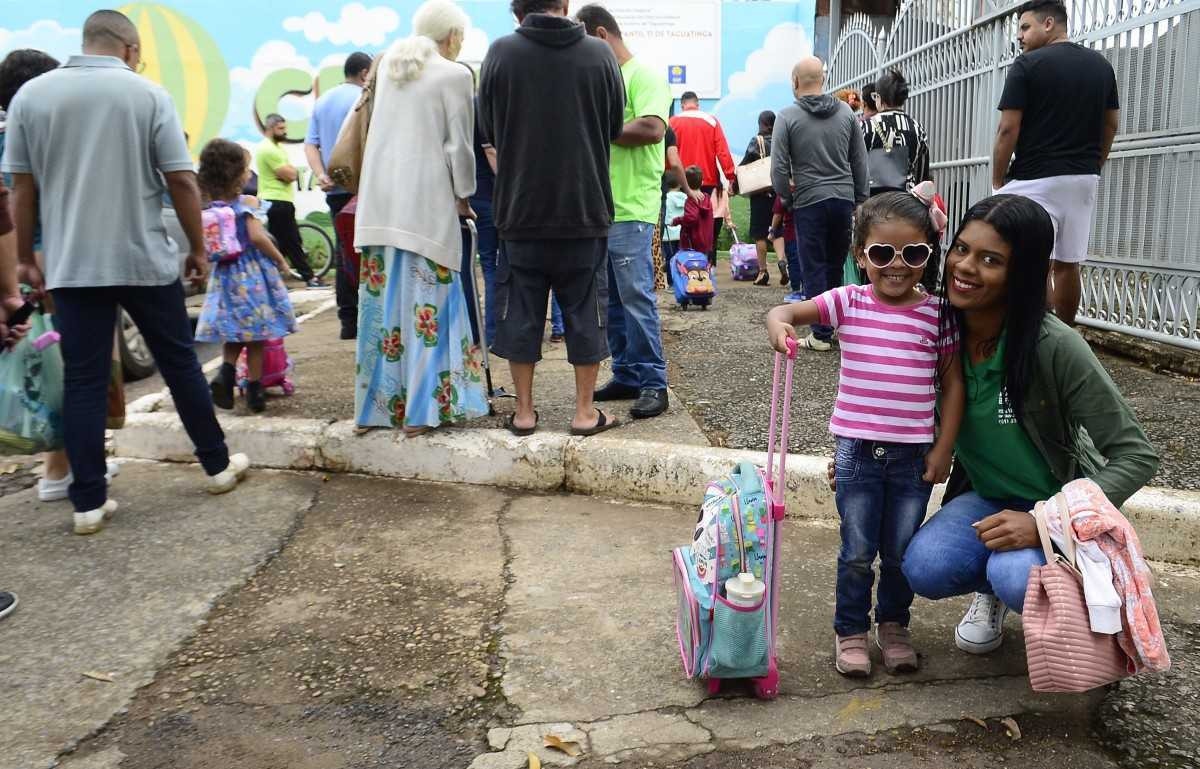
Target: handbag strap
point(762, 147)
point(1064, 515)
point(1039, 515)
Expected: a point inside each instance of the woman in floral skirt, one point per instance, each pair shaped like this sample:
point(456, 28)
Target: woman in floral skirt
point(418, 367)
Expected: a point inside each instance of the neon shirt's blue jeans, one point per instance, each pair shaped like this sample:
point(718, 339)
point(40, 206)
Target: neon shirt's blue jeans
point(634, 330)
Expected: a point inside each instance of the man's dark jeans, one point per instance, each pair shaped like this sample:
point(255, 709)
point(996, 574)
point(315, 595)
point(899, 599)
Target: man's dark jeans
point(281, 223)
point(823, 238)
point(86, 317)
point(345, 282)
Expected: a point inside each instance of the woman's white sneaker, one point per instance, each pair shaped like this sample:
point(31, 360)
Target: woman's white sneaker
point(982, 627)
point(93, 520)
point(52, 491)
point(227, 479)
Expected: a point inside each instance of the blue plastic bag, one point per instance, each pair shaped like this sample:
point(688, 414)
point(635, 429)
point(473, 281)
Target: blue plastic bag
point(31, 392)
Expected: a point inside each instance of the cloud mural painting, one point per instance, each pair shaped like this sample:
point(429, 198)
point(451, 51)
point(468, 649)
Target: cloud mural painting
point(357, 25)
point(228, 63)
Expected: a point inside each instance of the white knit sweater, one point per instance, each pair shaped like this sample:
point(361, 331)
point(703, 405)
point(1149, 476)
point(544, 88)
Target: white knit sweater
point(419, 159)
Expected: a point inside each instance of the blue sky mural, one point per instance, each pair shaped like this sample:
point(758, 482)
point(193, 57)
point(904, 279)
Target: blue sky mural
point(218, 56)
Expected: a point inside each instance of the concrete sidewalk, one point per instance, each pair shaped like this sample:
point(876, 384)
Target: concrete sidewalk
point(344, 621)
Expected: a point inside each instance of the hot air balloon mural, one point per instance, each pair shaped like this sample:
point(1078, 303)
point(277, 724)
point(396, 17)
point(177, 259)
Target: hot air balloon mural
point(183, 58)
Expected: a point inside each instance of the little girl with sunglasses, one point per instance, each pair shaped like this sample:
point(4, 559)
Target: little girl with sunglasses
point(896, 366)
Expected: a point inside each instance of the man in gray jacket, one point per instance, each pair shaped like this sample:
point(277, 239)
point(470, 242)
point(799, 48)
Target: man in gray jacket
point(819, 169)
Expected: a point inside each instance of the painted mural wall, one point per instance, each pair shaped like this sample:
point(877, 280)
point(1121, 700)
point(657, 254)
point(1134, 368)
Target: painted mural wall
point(228, 64)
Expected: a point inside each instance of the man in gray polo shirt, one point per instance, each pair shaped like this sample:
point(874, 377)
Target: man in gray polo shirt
point(92, 148)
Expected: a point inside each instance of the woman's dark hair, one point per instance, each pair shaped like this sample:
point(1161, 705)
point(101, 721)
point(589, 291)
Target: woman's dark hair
point(1029, 232)
point(222, 164)
point(892, 88)
point(906, 207)
point(766, 119)
point(18, 68)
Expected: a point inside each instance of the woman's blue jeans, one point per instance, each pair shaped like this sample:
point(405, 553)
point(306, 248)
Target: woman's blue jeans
point(946, 558)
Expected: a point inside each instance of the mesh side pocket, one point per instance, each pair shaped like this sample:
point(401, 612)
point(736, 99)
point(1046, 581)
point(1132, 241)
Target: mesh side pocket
point(739, 642)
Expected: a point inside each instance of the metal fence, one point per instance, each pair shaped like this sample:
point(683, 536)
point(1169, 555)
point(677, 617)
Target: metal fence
point(1142, 276)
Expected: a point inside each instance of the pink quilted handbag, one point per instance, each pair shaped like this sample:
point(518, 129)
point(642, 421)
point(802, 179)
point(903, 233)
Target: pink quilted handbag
point(1063, 653)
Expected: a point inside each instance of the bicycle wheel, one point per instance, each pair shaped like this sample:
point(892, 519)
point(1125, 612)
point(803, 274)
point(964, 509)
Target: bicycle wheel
point(318, 247)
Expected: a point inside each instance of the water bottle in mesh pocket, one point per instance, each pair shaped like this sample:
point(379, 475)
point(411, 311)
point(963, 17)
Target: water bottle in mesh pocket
point(739, 641)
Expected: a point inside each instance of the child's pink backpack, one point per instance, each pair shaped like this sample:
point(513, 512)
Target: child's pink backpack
point(277, 368)
point(220, 226)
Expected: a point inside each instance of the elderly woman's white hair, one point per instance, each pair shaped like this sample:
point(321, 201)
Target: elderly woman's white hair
point(433, 23)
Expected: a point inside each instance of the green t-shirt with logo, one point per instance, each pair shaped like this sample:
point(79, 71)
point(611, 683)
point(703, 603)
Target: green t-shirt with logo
point(269, 157)
point(636, 172)
point(994, 449)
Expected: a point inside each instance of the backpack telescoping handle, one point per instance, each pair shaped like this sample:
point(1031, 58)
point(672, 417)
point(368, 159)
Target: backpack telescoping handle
point(777, 434)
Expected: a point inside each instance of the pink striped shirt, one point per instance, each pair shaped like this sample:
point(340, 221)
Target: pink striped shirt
point(886, 391)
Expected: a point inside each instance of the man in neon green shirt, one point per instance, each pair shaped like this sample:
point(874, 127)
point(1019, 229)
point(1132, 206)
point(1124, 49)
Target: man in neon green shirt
point(635, 170)
point(277, 186)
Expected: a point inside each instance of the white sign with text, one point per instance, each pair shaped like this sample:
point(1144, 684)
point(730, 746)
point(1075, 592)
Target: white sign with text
point(680, 38)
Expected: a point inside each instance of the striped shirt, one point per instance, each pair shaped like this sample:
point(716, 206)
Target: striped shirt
point(886, 391)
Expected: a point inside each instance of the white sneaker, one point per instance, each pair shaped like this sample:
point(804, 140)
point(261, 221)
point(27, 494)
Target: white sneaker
point(227, 479)
point(93, 520)
point(52, 491)
point(810, 342)
point(982, 627)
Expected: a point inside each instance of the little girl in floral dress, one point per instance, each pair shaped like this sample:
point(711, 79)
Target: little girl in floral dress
point(247, 302)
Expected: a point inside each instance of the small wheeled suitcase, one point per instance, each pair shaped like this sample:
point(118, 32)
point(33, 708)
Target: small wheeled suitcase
point(277, 368)
point(692, 279)
point(723, 637)
point(743, 259)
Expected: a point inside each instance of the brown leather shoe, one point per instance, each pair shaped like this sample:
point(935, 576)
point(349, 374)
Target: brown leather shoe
point(898, 653)
point(851, 655)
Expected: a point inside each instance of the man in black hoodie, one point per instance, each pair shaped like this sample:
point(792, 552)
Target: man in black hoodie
point(551, 101)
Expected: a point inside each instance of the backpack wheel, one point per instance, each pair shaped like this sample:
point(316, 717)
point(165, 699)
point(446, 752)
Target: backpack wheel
point(767, 687)
point(714, 686)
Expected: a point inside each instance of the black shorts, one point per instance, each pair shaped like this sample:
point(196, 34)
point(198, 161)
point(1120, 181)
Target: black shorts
point(526, 271)
point(761, 211)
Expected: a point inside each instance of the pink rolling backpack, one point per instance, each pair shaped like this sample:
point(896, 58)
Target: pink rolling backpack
point(277, 368)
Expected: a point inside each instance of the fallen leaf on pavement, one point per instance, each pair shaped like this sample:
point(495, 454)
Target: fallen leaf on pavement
point(9, 469)
point(105, 677)
point(982, 724)
point(570, 748)
point(534, 762)
point(1014, 731)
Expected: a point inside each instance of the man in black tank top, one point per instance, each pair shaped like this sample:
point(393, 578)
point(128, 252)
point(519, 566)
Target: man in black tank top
point(1059, 112)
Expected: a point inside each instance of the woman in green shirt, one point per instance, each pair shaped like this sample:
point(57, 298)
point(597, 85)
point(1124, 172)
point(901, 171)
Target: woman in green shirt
point(1041, 412)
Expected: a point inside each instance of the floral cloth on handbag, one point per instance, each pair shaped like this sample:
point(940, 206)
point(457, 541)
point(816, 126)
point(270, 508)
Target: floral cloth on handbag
point(1095, 519)
point(417, 363)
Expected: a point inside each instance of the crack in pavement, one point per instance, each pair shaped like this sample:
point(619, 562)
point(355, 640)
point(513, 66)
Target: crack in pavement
point(497, 660)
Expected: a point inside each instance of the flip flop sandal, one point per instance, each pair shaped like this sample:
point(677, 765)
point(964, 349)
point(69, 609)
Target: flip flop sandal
point(603, 423)
point(521, 432)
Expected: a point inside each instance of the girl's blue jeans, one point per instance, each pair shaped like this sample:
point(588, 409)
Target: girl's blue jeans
point(881, 500)
point(946, 558)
